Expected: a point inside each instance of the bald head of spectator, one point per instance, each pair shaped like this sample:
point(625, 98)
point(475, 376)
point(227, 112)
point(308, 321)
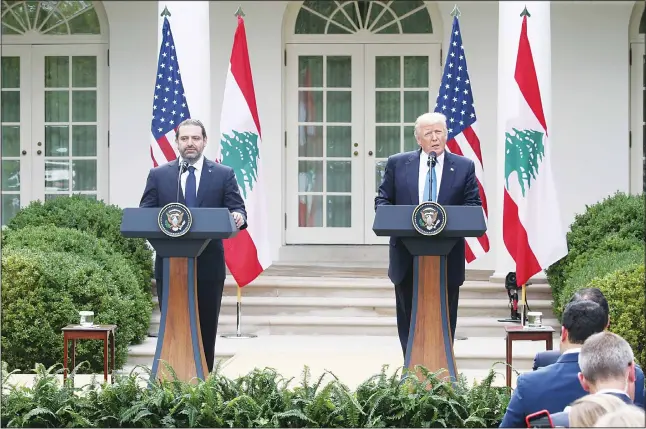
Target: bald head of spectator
point(607, 362)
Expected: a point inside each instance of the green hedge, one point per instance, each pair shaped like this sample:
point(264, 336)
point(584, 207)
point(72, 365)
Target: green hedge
point(262, 398)
point(620, 216)
point(595, 264)
point(95, 217)
point(624, 289)
point(43, 290)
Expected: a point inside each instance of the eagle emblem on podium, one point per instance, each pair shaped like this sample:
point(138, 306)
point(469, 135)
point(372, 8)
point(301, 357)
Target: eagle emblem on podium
point(429, 218)
point(175, 219)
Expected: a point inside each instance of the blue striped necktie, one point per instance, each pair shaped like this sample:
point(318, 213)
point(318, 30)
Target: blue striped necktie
point(190, 191)
point(434, 190)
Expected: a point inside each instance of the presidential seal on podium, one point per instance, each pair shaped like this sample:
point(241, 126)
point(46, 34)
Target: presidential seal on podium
point(175, 219)
point(429, 218)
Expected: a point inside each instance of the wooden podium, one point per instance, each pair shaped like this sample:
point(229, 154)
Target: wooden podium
point(179, 343)
point(429, 341)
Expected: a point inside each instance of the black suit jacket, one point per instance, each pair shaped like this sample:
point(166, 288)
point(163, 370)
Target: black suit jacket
point(400, 186)
point(218, 188)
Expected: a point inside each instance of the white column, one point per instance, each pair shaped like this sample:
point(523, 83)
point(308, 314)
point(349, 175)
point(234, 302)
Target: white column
point(509, 25)
point(189, 22)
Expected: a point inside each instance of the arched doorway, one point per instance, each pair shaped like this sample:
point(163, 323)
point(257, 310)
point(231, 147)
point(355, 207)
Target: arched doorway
point(637, 31)
point(54, 80)
point(357, 75)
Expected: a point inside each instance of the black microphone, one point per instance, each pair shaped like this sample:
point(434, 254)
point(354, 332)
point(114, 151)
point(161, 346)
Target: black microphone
point(432, 160)
point(183, 166)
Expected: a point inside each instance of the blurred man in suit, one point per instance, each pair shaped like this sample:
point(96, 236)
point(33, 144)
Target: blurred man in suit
point(405, 182)
point(548, 357)
point(607, 367)
point(203, 184)
point(554, 387)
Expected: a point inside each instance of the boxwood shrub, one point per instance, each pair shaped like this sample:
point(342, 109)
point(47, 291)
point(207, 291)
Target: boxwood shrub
point(624, 289)
point(95, 217)
point(43, 291)
point(620, 216)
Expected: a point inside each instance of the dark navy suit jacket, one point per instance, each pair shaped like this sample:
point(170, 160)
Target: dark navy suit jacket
point(548, 357)
point(562, 419)
point(550, 388)
point(401, 187)
point(218, 188)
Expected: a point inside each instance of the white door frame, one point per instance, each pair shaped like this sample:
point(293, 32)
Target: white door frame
point(39, 52)
point(432, 50)
point(322, 235)
point(636, 170)
point(24, 53)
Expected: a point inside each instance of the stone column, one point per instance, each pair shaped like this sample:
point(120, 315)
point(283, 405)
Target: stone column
point(189, 23)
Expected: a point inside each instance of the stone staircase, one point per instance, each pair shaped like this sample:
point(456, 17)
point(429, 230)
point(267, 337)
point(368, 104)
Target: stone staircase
point(307, 302)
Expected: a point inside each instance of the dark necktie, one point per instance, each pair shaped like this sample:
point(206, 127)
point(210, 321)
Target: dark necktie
point(190, 191)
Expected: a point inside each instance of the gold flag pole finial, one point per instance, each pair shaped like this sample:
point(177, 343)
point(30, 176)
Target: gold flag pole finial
point(456, 11)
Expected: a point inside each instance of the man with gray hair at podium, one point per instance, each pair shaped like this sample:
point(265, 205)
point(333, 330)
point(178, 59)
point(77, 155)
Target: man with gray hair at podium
point(406, 182)
point(200, 183)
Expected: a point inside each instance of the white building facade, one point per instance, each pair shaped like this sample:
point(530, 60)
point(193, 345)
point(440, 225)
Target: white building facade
point(338, 87)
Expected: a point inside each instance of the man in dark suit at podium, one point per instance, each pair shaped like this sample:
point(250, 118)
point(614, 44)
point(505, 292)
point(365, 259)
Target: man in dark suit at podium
point(405, 182)
point(204, 183)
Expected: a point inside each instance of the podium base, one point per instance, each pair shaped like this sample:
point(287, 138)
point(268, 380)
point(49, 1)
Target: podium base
point(429, 340)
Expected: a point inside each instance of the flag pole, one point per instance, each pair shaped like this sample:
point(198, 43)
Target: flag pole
point(238, 334)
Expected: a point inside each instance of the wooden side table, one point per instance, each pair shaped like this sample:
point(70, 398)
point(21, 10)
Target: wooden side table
point(94, 332)
point(524, 333)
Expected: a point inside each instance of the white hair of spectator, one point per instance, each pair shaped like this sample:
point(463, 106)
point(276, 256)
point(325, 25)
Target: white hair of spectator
point(430, 118)
point(605, 356)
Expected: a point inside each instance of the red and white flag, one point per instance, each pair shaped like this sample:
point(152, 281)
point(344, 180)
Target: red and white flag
point(248, 254)
point(533, 232)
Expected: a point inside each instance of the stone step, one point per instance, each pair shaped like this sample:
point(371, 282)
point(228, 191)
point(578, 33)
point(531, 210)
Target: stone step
point(361, 307)
point(143, 354)
point(369, 287)
point(345, 325)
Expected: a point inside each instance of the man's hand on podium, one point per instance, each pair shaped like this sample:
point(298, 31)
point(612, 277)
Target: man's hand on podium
point(238, 219)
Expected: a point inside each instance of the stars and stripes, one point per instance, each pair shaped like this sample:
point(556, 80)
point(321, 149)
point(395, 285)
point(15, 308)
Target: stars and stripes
point(169, 104)
point(455, 101)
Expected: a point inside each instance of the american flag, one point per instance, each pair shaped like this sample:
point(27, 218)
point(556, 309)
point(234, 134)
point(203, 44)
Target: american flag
point(455, 101)
point(169, 103)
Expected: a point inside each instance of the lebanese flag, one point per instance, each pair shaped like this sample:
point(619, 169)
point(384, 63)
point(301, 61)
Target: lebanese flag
point(248, 254)
point(532, 227)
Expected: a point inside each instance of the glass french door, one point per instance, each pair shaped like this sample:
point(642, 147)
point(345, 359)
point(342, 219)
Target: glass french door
point(401, 82)
point(54, 123)
point(325, 144)
point(349, 107)
point(637, 119)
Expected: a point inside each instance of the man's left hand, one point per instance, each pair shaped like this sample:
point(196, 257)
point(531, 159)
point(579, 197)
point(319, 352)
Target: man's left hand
point(237, 217)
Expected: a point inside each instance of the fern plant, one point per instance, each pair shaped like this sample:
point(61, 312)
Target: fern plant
point(261, 399)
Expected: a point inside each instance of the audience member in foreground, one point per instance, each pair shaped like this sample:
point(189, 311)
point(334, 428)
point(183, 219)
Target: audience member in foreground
point(585, 411)
point(556, 386)
point(628, 416)
point(594, 294)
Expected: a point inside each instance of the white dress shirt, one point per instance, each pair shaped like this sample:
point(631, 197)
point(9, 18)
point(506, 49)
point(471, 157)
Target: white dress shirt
point(423, 169)
point(199, 164)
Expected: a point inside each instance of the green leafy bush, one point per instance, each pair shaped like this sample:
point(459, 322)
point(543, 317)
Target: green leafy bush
point(49, 239)
point(261, 398)
point(624, 289)
point(610, 256)
point(620, 215)
point(95, 217)
point(43, 291)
